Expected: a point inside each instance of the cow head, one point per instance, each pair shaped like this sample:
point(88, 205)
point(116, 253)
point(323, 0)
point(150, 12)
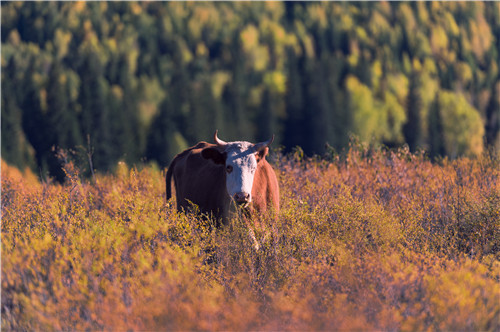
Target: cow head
point(240, 160)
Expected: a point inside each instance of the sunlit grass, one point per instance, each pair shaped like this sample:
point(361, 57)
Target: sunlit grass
point(370, 240)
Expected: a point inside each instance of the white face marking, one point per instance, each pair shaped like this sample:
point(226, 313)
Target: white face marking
point(241, 158)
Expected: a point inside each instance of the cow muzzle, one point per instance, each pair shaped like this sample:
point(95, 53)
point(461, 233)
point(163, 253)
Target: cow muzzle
point(242, 199)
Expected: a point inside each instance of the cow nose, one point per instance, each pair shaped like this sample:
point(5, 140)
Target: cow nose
point(242, 197)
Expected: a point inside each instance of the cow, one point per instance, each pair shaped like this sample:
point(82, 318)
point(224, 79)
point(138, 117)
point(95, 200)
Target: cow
point(214, 176)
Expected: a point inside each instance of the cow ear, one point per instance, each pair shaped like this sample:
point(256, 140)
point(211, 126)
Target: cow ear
point(215, 155)
point(262, 154)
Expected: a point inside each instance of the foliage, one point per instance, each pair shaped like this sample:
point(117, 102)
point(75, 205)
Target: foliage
point(133, 80)
point(370, 240)
point(465, 131)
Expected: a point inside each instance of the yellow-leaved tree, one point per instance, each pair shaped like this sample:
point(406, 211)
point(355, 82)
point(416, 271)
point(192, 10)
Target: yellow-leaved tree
point(463, 130)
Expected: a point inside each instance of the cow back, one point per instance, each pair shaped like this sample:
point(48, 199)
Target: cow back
point(201, 182)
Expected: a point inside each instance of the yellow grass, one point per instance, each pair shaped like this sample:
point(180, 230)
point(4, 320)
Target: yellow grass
point(372, 240)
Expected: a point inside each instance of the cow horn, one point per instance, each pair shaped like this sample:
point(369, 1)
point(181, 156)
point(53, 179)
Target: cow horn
point(260, 146)
point(219, 141)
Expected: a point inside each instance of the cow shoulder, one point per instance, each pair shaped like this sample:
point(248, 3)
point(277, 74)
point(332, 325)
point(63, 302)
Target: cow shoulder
point(194, 162)
point(265, 187)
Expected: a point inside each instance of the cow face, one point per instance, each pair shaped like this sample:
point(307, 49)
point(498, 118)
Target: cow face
point(240, 160)
point(240, 163)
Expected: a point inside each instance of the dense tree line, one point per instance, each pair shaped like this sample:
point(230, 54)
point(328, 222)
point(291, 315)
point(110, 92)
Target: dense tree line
point(141, 81)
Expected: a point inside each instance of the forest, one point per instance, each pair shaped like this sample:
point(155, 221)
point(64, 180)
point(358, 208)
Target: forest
point(138, 82)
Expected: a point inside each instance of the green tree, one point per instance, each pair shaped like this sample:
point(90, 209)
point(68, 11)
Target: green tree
point(164, 140)
point(413, 127)
point(34, 122)
point(61, 119)
point(268, 117)
point(15, 149)
point(234, 95)
point(341, 117)
point(463, 130)
point(127, 135)
point(436, 138)
point(95, 114)
point(368, 120)
point(493, 117)
point(294, 132)
point(319, 109)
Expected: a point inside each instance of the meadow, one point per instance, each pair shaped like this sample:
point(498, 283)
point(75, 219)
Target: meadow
point(366, 240)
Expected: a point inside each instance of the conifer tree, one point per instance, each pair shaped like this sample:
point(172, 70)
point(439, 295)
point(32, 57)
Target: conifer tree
point(95, 117)
point(436, 137)
point(234, 95)
point(160, 143)
point(34, 122)
point(294, 132)
point(267, 117)
point(15, 150)
point(340, 118)
point(202, 116)
point(128, 137)
point(318, 110)
point(412, 128)
point(61, 119)
point(492, 128)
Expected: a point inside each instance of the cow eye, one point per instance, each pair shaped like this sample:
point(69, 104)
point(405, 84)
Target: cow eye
point(229, 168)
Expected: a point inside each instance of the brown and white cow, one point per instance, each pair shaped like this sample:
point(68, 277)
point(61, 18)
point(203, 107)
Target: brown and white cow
point(213, 176)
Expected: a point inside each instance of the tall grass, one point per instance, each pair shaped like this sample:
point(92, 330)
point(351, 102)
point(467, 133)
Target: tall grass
point(372, 239)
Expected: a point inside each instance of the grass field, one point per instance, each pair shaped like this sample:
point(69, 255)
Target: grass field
point(370, 240)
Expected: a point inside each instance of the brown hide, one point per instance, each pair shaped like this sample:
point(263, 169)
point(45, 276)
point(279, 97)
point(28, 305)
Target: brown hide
point(203, 182)
point(265, 189)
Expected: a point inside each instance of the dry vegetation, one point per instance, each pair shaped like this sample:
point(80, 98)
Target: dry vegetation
point(369, 240)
